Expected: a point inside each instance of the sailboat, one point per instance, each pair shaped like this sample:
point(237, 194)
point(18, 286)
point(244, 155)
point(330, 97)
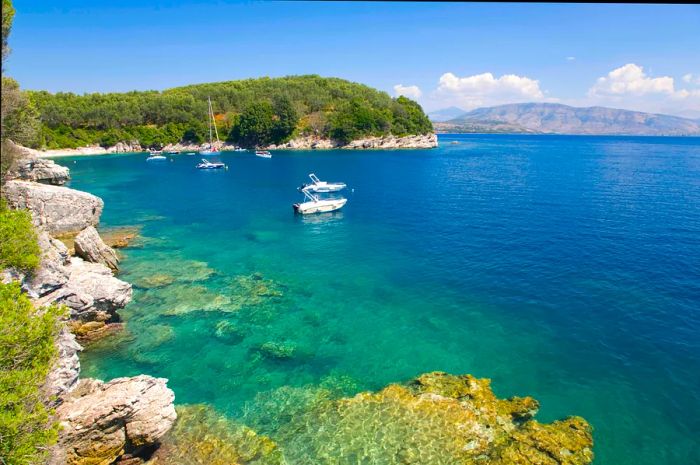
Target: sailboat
point(211, 148)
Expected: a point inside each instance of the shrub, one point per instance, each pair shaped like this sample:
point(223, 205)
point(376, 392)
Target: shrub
point(27, 351)
point(18, 246)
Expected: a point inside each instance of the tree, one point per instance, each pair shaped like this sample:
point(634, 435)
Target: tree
point(8, 14)
point(256, 125)
point(286, 119)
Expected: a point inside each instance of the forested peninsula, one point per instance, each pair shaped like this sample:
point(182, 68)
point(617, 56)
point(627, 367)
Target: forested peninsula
point(249, 113)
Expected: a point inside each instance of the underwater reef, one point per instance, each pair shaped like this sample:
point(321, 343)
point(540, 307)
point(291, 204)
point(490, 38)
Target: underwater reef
point(435, 419)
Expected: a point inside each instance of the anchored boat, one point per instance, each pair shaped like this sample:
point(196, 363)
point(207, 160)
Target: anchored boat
point(317, 185)
point(263, 154)
point(208, 165)
point(314, 204)
point(156, 155)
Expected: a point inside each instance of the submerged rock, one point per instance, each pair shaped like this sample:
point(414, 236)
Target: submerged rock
point(91, 331)
point(155, 281)
point(229, 332)
point(203, 437)
point(435, 419)
point(57, 209)
point(102, 421)
point(277, 350)
point(120, 237)
point(89, 246)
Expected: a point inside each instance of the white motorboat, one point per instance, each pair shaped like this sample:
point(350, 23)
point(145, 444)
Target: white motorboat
point(211, 148)
point(240, 149)
point(263, 154)
point(314, 204)
point(322, 186)
point(156, 156)
point(208, 165)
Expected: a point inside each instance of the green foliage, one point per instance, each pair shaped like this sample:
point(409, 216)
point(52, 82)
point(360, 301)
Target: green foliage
point(18, 245)
point(8, 14)
point(27, 350)
point(252, 111)
point(20, 119)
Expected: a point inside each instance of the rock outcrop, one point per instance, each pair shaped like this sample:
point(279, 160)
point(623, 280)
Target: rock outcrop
point(29, 167)
point(89, 290)
point(102, 421)
point(92, 293)
point(89, 246)
point(57, 209)
point(64, 376)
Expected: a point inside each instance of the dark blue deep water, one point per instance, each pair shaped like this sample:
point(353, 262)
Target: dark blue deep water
point(565, 268)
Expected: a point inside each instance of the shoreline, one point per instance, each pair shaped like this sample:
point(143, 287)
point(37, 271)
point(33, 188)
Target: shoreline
point(424, 141)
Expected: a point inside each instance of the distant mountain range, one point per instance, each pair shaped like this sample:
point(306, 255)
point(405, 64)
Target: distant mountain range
point(553, 118)
point(446, 114)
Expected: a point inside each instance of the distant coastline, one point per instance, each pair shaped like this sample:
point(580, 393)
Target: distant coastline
point(551, 118)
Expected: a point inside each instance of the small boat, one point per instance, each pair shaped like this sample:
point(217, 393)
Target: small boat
point(314, 204)
point(263, 154)
point(156, 156)
point(211, 149)
point(240, 149)
point(173, 152)
point(189, 153)
point(208, 165)
point(322, 186)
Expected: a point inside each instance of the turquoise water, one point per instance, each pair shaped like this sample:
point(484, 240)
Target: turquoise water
point(565, 268)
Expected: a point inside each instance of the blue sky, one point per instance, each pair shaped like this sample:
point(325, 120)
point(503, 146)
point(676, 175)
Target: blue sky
point(644, 57)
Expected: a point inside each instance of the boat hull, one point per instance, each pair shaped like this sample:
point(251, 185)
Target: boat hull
point(324, 189)
point(321, 206)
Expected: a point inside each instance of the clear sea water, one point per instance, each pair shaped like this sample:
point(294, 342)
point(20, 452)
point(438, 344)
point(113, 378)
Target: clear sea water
point(565, 268)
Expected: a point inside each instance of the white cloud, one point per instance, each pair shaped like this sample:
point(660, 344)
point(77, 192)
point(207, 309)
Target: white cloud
point(413, 92)
point(630, 79)
point(630, 87)
point(485, 90)
point(570, 58)
point(691, 79)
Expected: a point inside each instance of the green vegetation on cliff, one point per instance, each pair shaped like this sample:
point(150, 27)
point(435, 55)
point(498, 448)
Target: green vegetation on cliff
point(249, 112)
point(18, 246)
point(27, 351)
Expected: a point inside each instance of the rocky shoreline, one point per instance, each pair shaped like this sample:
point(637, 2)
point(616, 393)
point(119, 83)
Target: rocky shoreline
point(425, 141)
point(100, 422)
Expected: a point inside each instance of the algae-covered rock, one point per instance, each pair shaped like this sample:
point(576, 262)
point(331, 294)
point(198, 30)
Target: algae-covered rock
point(180, 299)
point(119, 237)
point(253, 289)
point(155, 280)
point(229, 332)
point(277, 350)
point(203, 437)
point(435, 419)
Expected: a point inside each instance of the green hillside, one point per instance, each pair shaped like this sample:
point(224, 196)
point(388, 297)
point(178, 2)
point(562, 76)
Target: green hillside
point(248, 112)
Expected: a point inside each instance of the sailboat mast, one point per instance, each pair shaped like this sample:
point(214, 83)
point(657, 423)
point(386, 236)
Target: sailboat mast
point(211, 117)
